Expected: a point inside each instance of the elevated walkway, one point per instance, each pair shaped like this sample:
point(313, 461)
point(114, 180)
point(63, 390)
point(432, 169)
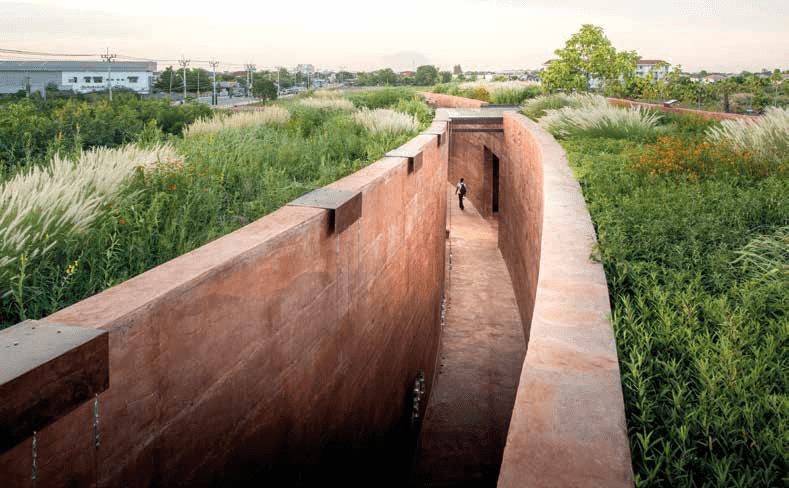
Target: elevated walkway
point(482, 349)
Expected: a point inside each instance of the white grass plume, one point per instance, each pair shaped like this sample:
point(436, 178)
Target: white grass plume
point(766, 137)
point(270, 115)
point(494, 86)
point(594, 116)
point(40, 206)
point(385, 120)
point(324, 102)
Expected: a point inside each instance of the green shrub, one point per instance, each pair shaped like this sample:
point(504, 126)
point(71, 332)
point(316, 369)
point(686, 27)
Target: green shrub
point(33, 131)
point(536, 107)
point(696, 272)
point(212, 184)
point(383, 98)
point(514, 96)
point(417, 107)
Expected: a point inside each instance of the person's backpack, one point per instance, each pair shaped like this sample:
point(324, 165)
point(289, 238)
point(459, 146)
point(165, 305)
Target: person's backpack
point(462, 189)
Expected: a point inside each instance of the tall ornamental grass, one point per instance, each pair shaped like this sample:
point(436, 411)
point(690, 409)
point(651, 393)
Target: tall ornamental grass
point(328, 103)
point(697, 273)
point(272, 115)
point(44, 205)
point(766, 257)
point(595, 117)
point(179, 200)
point(382, 120)
point(766, 137)
point(536, 107)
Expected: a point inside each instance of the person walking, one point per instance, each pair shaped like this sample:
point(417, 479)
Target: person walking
point(460, 191)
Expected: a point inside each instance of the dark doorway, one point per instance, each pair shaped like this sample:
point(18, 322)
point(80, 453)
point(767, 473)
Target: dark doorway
point(495, 192)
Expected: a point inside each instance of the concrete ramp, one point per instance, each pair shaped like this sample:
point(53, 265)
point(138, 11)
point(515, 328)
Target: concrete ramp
point(482, 349)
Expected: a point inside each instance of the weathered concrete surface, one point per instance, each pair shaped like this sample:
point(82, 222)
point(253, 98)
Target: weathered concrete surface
point(482, 348)
point(282, 352)
point(439, 100)
point(568, 425)
point(47, 370)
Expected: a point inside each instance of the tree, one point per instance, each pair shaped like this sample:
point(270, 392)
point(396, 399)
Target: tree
point(446, 77)
point(384, 77)
point(426, 75)
point(589, 59)
point(169, 78)
point(198, 78)
point(263, 87)
point(285, 80)
point(457, 70)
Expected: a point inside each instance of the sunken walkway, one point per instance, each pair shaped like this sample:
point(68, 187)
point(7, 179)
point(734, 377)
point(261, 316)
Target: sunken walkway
point(482, 349)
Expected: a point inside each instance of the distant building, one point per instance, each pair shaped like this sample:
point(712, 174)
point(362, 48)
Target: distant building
point(712, 78)
point(646, 66)
point(408, 74)
point(79, 76)
point(306, 69)
point(546, 64)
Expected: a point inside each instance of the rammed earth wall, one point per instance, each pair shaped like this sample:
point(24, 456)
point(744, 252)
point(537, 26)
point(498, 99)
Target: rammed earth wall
point(678, 110)
point(289, 344)
point(568, 424)
point(282, 345)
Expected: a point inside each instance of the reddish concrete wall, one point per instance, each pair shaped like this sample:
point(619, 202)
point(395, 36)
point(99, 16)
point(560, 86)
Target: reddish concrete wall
point(439, 100)
point(568, 426)
point(467, 161)
point(679, 110)
point(281, 349)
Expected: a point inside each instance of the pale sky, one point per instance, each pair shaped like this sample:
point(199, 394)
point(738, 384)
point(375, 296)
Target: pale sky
point(719, 35)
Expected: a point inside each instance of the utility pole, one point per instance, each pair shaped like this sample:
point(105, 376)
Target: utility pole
point(214, 63)
point(184, 63)
point(250, 69)
point(109, 58)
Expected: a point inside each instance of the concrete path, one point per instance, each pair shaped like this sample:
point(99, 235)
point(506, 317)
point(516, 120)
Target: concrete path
point(482, 350)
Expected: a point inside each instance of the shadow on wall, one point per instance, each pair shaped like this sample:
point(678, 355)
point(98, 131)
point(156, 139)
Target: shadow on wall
point(287, 349)
point(568, 425)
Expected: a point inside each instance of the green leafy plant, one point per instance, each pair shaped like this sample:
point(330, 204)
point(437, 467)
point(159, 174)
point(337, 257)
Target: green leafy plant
point(696, 270)
point(90, 223)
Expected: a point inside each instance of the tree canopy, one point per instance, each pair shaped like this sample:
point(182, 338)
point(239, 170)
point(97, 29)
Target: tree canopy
point(588, 59)
point(426, 75)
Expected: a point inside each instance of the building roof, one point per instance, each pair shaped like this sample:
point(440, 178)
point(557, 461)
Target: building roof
point(650, 61)
point(76, 65)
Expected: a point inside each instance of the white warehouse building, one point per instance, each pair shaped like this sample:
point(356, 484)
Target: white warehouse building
point(79, 76)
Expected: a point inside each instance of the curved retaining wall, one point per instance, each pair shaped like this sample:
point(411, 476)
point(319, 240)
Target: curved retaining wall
point(287, 344)
point(282, 345)
point(568, 425)
point(678, 110)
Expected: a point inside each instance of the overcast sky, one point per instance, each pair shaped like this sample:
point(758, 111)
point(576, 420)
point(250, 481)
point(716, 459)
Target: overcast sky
point(716, 35)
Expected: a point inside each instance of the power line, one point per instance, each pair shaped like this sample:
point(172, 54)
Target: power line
point(35, 53)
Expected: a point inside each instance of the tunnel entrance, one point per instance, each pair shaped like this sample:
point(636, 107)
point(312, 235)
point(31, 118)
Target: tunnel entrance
point(495, 180)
